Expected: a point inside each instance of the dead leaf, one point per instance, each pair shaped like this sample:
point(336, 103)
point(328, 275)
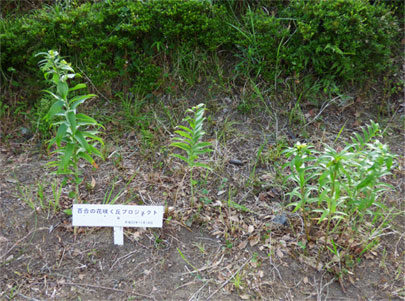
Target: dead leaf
point(93, 183)
point(262, 196)
point(76, 252)
point(279, 253)
point(3, 239)
point(242, 245)
point(11, 180)
point(221, 192)
point(356, 123)
point(251, 229)
point(61, 281)
point(234, 218)
point(146, 272)
point(311, 262)
point(244, 297)
point(254, 240)
point(305, 280)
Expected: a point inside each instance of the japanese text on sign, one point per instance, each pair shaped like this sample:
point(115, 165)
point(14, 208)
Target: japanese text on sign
point(98, 215)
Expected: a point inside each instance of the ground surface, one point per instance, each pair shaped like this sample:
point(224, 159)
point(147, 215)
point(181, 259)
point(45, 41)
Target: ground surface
point(216, 250)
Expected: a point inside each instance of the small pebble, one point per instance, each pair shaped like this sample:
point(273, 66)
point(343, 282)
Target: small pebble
point(236, 162)
point(280, 219)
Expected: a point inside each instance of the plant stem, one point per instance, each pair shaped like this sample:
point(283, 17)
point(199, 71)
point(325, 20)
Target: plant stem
point(304, 215)
point(77, 192)
point(330, 205)
point(192, 187)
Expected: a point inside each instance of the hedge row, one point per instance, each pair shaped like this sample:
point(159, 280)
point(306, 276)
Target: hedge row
point(127, 42)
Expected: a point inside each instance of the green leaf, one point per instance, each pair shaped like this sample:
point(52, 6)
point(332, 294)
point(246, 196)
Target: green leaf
point(67, 154)
point(365, 182)
point(203, 165)
point(62, 89)
point(324, 214)
point(95, 151)
point(55, 109)
point(184, 134)
point(82, 141)
point(86, 157)
point(185, 128)
point(77, 87)
point(71, 117)
point(182, 145)
point(61, 133)
point(86, 120)
point(181, 157)
point(93, 137)
point(202, 151)
point(77, 100)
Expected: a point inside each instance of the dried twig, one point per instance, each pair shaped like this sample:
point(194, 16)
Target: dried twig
point(20, 240)
point(122, 257)
point(205, 267)
point(324, 106)
point(230, 278)
point(27, 298)
point(106, 288)
point(322, 287)
point(198, 291)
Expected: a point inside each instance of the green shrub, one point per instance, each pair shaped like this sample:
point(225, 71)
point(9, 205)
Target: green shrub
point(346, 40)
point(133, 45)
point(39, 123)
point(117, 42)
point(259, 39)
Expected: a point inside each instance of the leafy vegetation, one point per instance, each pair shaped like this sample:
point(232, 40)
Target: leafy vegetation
point(267, 70)
point(347, 40)
point(133, 46)
point(189, 140)
point(73, 140)
point(339, 189)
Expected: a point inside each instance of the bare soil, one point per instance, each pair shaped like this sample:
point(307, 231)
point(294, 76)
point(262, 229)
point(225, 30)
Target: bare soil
point(210, 251)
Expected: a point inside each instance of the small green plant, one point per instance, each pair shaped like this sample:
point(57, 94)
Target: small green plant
point(189, 140)
point(39, 123)
point(340, 189)
point(256, 162)
point(186, 260)
point(26, 194)
point(302, 175)
point(56, 194)
point(73, 140)
point(200, 247)
point(237, 281)
point(36, 198)
point(111, 200)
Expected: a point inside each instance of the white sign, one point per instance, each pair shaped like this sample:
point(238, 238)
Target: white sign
point(117, 216)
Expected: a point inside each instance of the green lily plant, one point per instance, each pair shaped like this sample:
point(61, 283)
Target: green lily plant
point(73, 140)
point(341, 187)
point(189, 140)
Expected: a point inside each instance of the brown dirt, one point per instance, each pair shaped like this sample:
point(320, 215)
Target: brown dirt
point(40, 258)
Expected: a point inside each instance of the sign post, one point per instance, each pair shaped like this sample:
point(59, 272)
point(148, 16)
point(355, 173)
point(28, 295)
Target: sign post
point(118, 217)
